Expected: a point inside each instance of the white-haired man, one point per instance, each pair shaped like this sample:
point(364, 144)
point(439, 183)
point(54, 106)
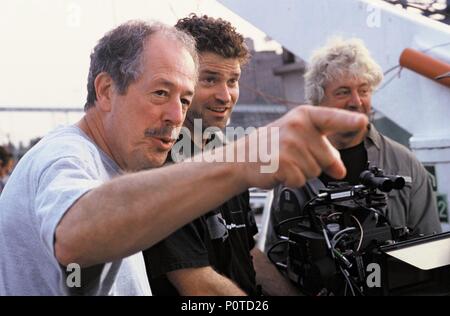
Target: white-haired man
point(343, 75)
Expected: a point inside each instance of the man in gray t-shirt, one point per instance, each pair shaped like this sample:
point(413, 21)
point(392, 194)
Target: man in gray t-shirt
point(83, 198)
point(39, 254)
point(48, 180)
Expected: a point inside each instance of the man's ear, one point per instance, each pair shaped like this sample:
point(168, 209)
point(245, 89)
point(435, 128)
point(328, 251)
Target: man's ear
point(104, 88)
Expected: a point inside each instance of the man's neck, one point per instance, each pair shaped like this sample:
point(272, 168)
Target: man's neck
point(92, 125)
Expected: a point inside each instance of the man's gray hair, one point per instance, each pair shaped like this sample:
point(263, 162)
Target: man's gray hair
point(335, 60)
point(120, 53)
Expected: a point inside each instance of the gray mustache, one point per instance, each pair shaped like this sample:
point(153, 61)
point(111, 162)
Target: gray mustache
point(164, 132)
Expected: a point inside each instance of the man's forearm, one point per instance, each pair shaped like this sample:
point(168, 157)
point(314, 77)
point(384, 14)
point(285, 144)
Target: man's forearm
point(135, 211)
point(204, 281)
point(273, 283)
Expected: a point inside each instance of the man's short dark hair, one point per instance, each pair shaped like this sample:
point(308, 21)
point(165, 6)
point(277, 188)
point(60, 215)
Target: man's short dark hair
point(119, 53)
point(216, 36)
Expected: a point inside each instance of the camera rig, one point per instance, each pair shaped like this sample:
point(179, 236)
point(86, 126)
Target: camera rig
point(338, 234)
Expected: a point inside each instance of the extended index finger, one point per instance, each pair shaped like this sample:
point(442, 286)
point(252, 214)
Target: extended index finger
point(329, 120)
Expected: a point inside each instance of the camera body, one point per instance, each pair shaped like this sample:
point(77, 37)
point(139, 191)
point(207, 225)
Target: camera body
point(338, 234)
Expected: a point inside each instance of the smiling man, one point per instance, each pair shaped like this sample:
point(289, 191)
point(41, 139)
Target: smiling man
point(215, 254)
point(217, 91)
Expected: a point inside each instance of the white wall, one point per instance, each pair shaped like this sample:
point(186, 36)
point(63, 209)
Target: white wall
point(302, 26)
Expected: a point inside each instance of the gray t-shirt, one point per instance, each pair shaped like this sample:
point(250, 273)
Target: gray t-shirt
point(46, 182)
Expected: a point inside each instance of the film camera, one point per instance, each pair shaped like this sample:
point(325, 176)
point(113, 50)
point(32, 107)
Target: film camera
point(342, 232)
